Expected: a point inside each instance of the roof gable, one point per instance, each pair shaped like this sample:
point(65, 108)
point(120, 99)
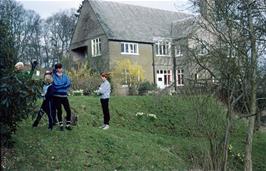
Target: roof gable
point(87, 27)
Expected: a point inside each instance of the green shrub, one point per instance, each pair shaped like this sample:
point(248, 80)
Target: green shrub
point(144, 87)
point(18, 92)
point(77, 92)
point(132, 90)
point(84, 79)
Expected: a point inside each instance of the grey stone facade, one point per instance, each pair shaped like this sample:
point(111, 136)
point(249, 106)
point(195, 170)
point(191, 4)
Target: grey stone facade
point(114, 23)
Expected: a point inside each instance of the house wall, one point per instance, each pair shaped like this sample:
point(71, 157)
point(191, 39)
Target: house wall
point(87, 28)
point(194, 68)
point(185, 61)
point(99, 63)
point(165, 63)
point(144, 58)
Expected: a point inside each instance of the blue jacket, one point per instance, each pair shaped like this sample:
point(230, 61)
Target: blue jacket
point(61, 84)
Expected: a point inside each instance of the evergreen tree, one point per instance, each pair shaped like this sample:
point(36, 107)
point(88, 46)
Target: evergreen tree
point(18, 95)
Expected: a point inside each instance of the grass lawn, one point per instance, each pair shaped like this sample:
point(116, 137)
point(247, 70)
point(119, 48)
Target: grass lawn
point(132, 142)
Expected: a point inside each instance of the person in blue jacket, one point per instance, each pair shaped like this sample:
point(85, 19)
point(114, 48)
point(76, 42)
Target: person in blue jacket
point(61, 84)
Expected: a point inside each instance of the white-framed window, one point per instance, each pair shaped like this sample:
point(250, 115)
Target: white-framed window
point(180, 77)
point(96, 47)
point(178, 51)
point(163, 48)
point(203, 50)
point(129, 48)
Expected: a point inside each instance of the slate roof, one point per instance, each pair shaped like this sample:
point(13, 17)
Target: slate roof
point(184, 28)
point(134, 23)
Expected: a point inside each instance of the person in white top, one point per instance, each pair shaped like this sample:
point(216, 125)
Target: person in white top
point(104, 92)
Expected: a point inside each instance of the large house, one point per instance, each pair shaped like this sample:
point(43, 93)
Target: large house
point(109, 31)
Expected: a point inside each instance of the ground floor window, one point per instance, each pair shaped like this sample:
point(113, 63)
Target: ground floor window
point(125, 78)
point(164, 77)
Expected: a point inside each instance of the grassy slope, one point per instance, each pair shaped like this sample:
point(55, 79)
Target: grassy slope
point(132, 143)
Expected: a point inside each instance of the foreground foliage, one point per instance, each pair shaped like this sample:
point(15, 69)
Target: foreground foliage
point(18, 91)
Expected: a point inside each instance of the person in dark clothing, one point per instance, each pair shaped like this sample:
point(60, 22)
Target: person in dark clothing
point(47, 104)
point(61, 84)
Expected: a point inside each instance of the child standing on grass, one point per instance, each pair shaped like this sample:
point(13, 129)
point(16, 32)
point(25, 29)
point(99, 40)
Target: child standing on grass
point(47, 104)
point(104, 92)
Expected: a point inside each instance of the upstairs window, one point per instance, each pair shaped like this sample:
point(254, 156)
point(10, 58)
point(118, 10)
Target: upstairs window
point(129, 48)
point(163, 48)
point(96, 47)
point(178, 51)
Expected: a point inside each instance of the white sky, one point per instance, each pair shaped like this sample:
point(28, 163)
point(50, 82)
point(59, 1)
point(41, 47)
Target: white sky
point(47, 8)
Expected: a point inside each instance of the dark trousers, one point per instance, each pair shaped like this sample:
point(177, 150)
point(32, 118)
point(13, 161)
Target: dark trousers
point(106, 114)
point(48, 108)
point(59, 101)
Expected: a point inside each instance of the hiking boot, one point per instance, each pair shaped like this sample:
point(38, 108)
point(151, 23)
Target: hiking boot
point(68, 127)
point(106, 127)
point(61, 126)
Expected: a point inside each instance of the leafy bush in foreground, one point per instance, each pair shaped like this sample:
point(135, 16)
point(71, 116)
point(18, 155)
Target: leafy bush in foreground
point(18, 92)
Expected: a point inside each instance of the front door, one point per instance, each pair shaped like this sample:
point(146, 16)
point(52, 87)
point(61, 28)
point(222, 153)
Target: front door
point(160, 81)
point(163, 78)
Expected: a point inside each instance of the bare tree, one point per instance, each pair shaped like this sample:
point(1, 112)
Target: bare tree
point(25, 29)
point(57, 34)
point(238, 32)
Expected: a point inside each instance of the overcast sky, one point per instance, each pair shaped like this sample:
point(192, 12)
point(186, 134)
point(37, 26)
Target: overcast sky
point(47, 8)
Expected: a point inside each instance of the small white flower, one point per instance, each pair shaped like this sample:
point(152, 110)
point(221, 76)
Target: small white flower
point(152, 115)
point(139, 113)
